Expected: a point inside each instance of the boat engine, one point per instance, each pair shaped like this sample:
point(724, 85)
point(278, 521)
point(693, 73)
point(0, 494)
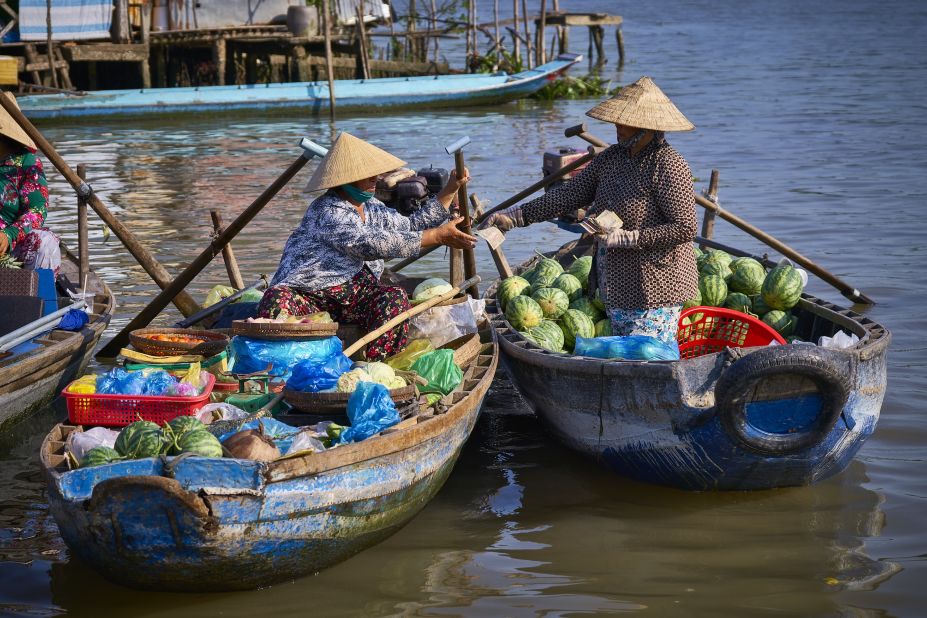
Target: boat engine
point(405, 190)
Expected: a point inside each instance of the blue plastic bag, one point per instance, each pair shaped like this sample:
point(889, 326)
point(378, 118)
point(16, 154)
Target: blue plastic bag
point(118, 381)
point(159, 382)
point(251, 355)
point(630, 347)
point(74, 320)
point(370, 411)
point(312, 376)
point(281, 433)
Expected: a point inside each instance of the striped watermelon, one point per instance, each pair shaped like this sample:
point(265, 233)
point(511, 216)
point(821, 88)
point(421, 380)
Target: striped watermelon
point(713, 290)
point(738, 302)
point(510, 288)
point(597, 301)
point(139, 440)
point(570, 284)
point(575, 323)
point(603, 328)
point(782, 287)
point(99, 456)
point(548, 335)
point(580, 269)
point(523, 313)
point(748, 276)
point(784, 323)
point(200, 442)
point(546, 270)
point(553, 302)
point(716, 268)
point(588, 307)
point(760, 307)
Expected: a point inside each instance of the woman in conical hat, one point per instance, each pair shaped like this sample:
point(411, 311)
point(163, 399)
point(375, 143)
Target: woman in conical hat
point(333, 261)
point(24, 200)
point(643, 271)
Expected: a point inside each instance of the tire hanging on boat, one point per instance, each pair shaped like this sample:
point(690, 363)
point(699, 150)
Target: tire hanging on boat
point(742, 376)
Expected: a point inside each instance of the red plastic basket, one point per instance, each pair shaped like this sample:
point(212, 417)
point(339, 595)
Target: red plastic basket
point(717, 328)
point(122, 410)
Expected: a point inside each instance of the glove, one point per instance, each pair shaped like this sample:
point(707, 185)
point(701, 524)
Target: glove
point(621, 239)
point(504, 220)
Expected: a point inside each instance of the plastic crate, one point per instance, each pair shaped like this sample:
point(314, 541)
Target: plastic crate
point(719, 328)
point(122, 410)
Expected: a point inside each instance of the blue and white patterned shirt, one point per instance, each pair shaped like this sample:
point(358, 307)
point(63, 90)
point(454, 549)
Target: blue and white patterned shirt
point(332, 244)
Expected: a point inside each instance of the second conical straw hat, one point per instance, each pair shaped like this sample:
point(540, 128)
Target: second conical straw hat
point(9, 128)
point(351, 159)
point(644, 106)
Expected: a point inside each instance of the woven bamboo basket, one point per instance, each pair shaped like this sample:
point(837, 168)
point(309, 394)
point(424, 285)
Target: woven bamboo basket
point(284, 330)
point(141, 341)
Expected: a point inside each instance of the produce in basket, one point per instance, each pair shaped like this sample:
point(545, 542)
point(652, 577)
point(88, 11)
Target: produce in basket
point(175, 338)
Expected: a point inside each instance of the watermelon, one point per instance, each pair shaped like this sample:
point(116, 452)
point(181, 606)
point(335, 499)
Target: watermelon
point(200, 442)
point(716, 268)
point(597, 301)
point(782, 322)
point(693, 302)
point(523, 313)
point(603, 328)
point(748, 276)
point(553, 302)
point(580, 269)
point(720, 257)
point(510, 288)
point(175, 429)
point(548, 335)
point(760, 307)
point(575, 323)
point(738, 302)
point(543, 273)
point(698, 252)
point(429, 288)
point(139, 440)
point(100, 455)
point(570, 285)
point(588, 307)
point(782, 287)
point(713, 290)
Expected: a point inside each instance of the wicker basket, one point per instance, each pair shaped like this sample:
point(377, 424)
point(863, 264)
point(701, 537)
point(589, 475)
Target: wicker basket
point(214, 344)
point(466, 349)
point(334, 403)
point(284, 330)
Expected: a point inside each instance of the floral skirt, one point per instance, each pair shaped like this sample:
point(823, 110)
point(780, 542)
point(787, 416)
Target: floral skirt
point(360, 300)
point(659, 322)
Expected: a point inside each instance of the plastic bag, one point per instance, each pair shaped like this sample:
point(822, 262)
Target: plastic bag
point(217, 293)
point(278, 431)
point(631, 347)
point(442, 324)
point(439, 369)
point(313, 375)
point(250, 296)
point(370, 411)
point(80, 442)
point(118, 381)
point(160, 382)
point(840, 340)
point(403, 360)
point(252, 355)
point(73, 320)
point(305, 441)
point(85, 385)
point(212, 412)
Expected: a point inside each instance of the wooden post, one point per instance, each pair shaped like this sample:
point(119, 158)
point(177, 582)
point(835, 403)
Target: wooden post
point(598, 33)
point(144, 66)
point(51, 48)
point(561, 32)
point(219, 58)
point(502, 264)
point(83, 251)
point(619, 36)
point(524, 10)
point(434, 28)
point(326, 25)
point(498, 41)
point(228, 254)
point(708, 220)
point(31, 56)
point(361, 45)
point(515, 41)
point(542, 27)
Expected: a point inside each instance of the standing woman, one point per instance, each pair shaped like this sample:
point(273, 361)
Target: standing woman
point(645, 270)
point(24, 201)
point(333, 261)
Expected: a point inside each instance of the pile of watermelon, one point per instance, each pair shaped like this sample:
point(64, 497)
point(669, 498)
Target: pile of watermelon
point(743, 284)
point(549, 304)
point(141, 439)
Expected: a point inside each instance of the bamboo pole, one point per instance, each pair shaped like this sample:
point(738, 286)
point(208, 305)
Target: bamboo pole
point(408, 313)
point(326, 25)
point(51, 49)
point(498, 41)
point(524, 10)
point(542, 27)
point(708, 220)
point(228, 254)
point(159, 275)
point(83, 251)
point(515, 41)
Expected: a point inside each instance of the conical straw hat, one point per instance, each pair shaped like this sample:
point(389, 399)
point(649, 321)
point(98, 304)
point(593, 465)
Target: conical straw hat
point(10, 129)
point(644, 106)
point(351, 159)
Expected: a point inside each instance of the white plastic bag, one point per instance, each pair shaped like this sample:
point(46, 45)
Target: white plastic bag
point(219, 412)
point(840, 340)
point(443, 324)
point(80, 442)
point(306, 441)
point(801, 271)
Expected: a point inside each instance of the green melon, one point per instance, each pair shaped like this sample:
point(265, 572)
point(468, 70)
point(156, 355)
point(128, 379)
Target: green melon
point(713, 290)
point(697, 252)
point(693, 302)
point(200, 442)
point(553, 302)
point(575, 323)
point(139, 440)
point(175, 429)
point(782, 287)
point(580, 269)
point(545, 270)
point(748, 276)
point(760, 307)
point(597, 301)
point(523, 313)
point(716, 268)
point(588, 307)
point(548, 335)
point(782, 322)
point(510, 288)
point(99, 456)
point(603, 328)
point(738, 302)
point(572, 286)
point(719, 256)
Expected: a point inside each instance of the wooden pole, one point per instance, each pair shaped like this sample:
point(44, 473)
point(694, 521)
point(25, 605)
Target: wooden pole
point(708, 220)
point(469, 258)
point(408, 313)
point(361, 47)
point(51, 49)
point(83, 251)
point(151, 311)
point(434, 28)
point(498, 41)
point(619, 36)
point(524, 10)
point(228, 254)
point(515, 41)
point(326, 25)
point(159, 275)
point(542, 27)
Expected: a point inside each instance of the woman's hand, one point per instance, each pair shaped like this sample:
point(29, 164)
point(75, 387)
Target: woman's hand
point(4, 243)
point(449, 235)
point(447, 194)
point(504, 220)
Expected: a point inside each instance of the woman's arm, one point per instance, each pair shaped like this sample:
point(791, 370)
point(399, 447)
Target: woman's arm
point(33, 200)
point(675, 200)
point(344, 232)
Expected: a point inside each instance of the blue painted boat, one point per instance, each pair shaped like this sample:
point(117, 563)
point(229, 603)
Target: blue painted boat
point(745, 419)
point(201, 524)
point(358, 94)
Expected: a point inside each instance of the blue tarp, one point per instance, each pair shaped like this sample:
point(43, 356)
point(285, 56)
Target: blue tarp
point(71, 19)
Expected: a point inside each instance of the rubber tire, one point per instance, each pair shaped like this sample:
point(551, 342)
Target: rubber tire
point(806, 361)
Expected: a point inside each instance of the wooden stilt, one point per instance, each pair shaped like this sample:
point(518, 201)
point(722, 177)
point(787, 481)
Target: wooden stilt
point(708, 220)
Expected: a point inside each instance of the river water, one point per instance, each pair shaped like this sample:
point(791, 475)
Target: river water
point(812, 112)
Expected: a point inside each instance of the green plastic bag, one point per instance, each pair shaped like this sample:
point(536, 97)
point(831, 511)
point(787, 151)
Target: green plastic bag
point(439, 369)
point(416, 349)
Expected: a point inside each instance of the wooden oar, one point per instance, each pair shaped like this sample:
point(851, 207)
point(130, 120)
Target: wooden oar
point(146, 315)
point(841, 286)
point(211, 309)
point(158, 274)
point(409, 313)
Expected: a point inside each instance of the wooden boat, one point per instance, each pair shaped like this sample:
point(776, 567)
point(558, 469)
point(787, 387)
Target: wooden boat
point(31, 379)
point(369, 94)
point(202, 524)
point(741, 419)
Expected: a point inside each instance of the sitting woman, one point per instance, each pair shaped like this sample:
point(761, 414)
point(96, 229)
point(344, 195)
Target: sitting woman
point(24, 201)
point(333, 261)
point(645, 270)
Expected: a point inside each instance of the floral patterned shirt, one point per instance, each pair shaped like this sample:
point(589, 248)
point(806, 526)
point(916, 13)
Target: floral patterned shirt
point(652, 193)
point(332, 243)
point(23, 195)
